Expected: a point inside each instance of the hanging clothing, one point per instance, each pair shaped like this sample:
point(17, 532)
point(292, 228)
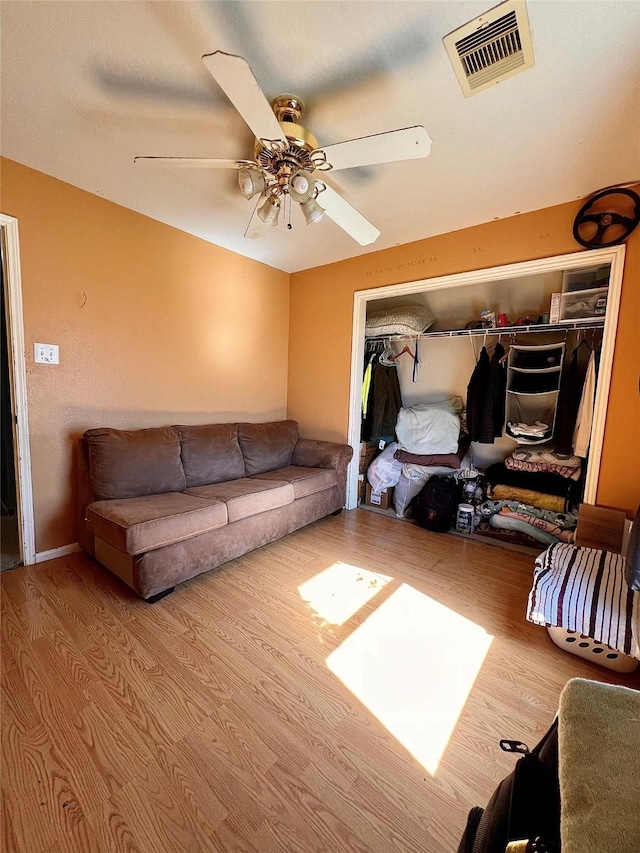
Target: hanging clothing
point(387, 401)
point(584, 419)
point(573, 375)
point(486, 396)
point(366, 385)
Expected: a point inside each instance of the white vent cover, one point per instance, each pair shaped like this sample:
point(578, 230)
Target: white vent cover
point(491, 48)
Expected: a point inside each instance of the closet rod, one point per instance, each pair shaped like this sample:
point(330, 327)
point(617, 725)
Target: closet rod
point(501, 330)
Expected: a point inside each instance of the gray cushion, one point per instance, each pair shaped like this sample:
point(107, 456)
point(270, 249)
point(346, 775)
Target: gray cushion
point(211, 453)
point(131, 463)
point(305, 481)
point(136, 525)
point(245, 498)
point(266, 447)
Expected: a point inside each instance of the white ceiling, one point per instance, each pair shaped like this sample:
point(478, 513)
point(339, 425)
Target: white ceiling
point(86, 86)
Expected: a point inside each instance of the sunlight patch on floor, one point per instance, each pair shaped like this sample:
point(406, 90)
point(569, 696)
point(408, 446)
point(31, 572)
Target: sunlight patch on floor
point(338, 592)
point(413, 663)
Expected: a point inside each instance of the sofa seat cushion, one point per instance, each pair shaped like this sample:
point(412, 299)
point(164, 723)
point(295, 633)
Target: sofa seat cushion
point(136, 525)
point(305, 481)
point(246, 497)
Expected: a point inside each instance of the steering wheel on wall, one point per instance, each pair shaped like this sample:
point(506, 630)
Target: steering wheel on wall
point(599, 224)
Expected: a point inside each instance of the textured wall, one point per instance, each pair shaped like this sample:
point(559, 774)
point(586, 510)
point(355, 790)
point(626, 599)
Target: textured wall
point(154, 326)
point(321, 317)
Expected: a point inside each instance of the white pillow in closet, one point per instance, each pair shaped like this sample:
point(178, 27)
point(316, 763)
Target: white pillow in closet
point(429, 429)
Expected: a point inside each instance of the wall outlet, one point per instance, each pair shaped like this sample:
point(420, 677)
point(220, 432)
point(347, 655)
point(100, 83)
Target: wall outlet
point(46, 353)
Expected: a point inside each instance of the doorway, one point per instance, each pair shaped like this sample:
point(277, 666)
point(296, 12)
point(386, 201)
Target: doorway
point(17, 495)
point(613, 256)
point(10, 553)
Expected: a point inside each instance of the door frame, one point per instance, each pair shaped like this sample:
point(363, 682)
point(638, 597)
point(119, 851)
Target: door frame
point(18, 387)
point(613, 255)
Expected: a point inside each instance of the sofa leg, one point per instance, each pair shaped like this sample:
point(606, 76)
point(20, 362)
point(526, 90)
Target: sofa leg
point(159, 595)
point(337, 512)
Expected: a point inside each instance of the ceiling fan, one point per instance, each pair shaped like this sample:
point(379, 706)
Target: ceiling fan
point(287, 161)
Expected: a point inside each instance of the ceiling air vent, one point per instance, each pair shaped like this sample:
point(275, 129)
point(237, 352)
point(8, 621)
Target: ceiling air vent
point(491, 48)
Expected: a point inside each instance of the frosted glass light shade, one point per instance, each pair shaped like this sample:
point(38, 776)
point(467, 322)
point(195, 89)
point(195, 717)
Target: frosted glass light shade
point(301, 186)
point(251, 182)
point(269, 211)
point(312, 211)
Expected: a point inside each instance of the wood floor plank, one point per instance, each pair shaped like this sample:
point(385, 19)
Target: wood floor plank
point(40, 787)
point(211, 721)
point(156, 814)
point(115, 751)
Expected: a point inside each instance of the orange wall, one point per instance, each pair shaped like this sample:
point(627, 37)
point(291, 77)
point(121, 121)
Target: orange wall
point(154, 327)
point(321, 318)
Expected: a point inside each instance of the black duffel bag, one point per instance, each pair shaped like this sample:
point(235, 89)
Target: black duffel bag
point(524, 806)
point(435, 507)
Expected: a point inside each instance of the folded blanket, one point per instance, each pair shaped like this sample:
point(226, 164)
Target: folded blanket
point(447, 460)
point(584, 590)
point(549, 527)
point(563, 520)
point(541, 467)
point(522, 454)
point(514, 537)
point(528, 496)
point(506, 523)
point(548, 483)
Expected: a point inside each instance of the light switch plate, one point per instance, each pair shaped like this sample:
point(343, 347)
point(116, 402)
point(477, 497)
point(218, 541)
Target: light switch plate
point(46, 353)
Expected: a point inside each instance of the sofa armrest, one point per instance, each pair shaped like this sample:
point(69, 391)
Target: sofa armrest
point(84, 496)
point(309, 453)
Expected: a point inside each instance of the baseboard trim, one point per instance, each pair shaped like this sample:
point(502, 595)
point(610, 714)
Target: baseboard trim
point(53, 553)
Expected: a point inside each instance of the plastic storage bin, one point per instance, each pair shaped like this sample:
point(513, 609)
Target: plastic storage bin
point(585, 279)
point(583, 304)
point(587, 648)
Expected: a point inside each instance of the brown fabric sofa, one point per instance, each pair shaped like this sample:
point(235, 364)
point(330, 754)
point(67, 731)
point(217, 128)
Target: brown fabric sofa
point(159, 506)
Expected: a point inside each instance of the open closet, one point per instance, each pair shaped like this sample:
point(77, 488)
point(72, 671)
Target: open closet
point(520, 357)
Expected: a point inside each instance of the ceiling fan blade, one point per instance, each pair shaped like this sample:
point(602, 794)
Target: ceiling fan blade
point(410, 143)
point(192, 162)
point(256, 226)
point(347, 217)
point(236, 79)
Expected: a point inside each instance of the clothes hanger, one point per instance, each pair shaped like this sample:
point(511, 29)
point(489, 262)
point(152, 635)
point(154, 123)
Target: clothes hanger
point(387, 356)
point(582, 341)
point(402, 352)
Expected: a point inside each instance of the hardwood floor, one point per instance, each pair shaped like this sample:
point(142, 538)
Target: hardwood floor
point(238, 714)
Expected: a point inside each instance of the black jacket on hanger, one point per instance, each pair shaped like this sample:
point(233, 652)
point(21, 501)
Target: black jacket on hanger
point(486, 396)
point(384, 403)
point(573, 375)
point(387, 401)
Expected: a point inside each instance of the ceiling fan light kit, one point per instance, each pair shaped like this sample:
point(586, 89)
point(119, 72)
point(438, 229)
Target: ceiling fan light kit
point(286, 155)
point(312, 211)
point(270, 210)
point(251, 182)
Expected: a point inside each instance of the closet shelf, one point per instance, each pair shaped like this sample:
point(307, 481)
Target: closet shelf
point(565, 326)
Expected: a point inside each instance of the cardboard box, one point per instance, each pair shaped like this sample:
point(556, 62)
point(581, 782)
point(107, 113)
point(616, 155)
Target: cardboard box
point(368, 452)
point(554, 308)
point(381, 500)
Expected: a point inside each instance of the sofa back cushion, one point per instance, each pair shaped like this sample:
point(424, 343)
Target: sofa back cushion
point(266, 447)
point(211, 454)
point(131, 463)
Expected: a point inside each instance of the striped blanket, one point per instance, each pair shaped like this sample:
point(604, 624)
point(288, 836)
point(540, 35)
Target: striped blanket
point(584, 590)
